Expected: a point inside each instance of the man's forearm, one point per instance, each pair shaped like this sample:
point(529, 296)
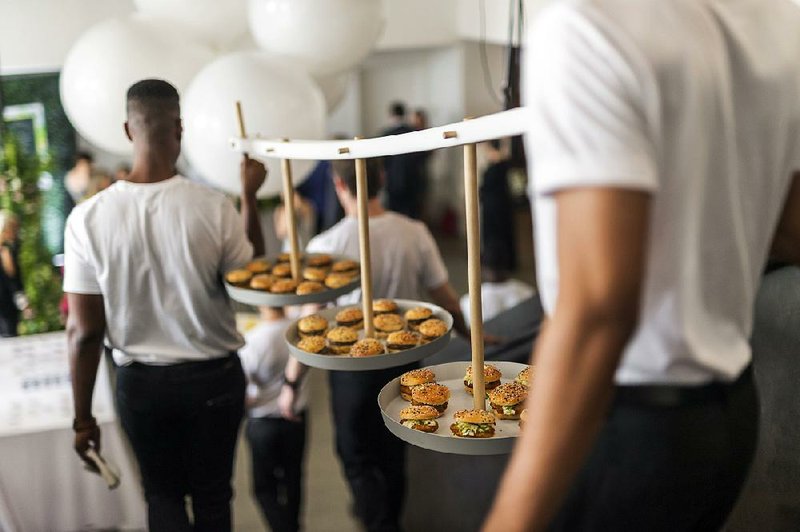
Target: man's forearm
point(84, 358)
point(252, 224)
point(575, 364)
point(295, 370)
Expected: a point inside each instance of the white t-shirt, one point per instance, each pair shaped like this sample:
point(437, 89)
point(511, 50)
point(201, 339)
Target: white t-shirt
point(405, 259)
point(157, 253)
point(497, 298)
point(698, 103)
point(264, 357)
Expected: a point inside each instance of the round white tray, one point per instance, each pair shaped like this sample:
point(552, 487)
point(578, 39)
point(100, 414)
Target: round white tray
point(388, 360)
point(443, 440)
point(267, 299)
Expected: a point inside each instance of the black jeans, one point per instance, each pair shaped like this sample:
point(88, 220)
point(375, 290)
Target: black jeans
point(373, 458)
point(183, 421)
point(671, 469)
point(277, 446)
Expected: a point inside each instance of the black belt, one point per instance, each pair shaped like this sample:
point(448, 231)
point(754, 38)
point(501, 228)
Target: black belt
point(667, 395)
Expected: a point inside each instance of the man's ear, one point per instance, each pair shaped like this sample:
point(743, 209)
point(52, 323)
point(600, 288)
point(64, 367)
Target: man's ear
point(128, 131)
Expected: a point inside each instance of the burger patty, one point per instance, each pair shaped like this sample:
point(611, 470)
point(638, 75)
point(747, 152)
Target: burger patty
point(399, 347)
point(486, 386)
point(340, 344)
point(499, 409)
point(440, 408)
point(348, 323)
point(313, 332)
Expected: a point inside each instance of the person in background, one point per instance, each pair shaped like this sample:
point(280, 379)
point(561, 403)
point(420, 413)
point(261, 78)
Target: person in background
point(666, 172)
point(498, 235)
point(122, 172)
point(499, 292)
point(402, 171)
point(406, 264)
point(76, 181)
point(419, 121)
point(305, 219)
point(318, 190)
point(277, 440)
point(144, 262)
point(10, 275)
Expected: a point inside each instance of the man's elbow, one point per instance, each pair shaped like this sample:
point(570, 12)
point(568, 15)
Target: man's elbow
point(614, 313)
point(82, 338)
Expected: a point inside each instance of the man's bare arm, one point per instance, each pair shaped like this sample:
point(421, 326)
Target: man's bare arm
point(786, 245)
point(602, 237)
point(86, 325)
point(253, 174)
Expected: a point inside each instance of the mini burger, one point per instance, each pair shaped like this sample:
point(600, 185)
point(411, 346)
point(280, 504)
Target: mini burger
point(366, 347)
point(524, 377)
point(309, 287)
point(239, 277)
point(432, 329)
point(401, 340)
point(491, 378)
point(282, 270)
point(258, 266)
point(313, 344)
point(384, 306)
point(507, 400)
point(473, 424)
point(416, 316)
point(415, 377)
point(348, 267)
point(387, 323)
point(338, 280)
point(286, 257)
point(421, 418)
point(315, 274)
point(341, 339)
point(319, 261)
point(262, 281)
point(350, 317)
point(314, 325)
point(283, 286)
point(431, 394)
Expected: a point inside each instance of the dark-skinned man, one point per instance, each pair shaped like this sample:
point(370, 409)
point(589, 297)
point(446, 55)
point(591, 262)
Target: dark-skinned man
point(144, 261)
point(665, 137)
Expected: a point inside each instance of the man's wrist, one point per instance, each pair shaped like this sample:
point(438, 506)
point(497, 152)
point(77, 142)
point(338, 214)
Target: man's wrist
point(294, 384)
point(84, 423)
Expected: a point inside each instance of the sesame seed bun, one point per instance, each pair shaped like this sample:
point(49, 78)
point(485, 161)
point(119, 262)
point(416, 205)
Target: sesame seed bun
point(258, 266)
point(309, 287)
point(525, 376)
point(388, 323)
point(415, 377)
point(239, 277)
point(341, 339)
point(313, 344)
point(508, 394)
point(435, 395)
point(416, 316)
point(383, 306)
point(345, 266)
point(432, 329)
point(477, 418)
point(490, 373)
point(338, 280)
point(282, 270)
point(283, 286)
point(366, 348)
point(350, 317)
point(314, 325)
point(315, 274)
point(401, 340)
point(319, 261)
point(418, 412)
point(262, 281)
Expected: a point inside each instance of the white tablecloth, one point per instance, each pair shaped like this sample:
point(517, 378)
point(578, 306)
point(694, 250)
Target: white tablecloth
point(43, 486)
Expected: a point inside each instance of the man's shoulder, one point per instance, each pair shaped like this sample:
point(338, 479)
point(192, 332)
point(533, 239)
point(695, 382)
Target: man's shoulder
point(200, 191)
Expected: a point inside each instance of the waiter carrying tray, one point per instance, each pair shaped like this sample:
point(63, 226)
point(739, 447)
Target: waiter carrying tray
point(666, 144)
point(143, 268)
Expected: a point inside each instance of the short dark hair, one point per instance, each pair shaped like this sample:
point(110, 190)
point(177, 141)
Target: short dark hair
point(398, 109)
point(148, 92)
point(346, 170)
point(84, 156)
point(496, 144)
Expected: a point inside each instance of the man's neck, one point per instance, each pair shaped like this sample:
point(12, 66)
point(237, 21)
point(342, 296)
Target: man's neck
point(151, 169)
point(374, 208)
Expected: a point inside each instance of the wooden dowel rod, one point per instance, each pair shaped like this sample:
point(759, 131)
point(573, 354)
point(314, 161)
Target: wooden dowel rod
point(362, 197)
point(291, 220)
point(240, 120)
point(474, 273)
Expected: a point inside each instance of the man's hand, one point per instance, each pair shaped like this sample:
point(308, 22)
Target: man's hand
point(286, 401)
point(87, 436)
point(253, 175)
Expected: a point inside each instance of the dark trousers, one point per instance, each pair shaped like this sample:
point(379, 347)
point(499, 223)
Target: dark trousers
point(182, 422)
point(277, 446)
point(667, 468)
point(373, 459)
point(9, 321)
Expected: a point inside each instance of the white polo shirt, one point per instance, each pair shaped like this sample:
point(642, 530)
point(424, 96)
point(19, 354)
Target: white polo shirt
point(405, 260)
point(157, 253)
point(698, 103)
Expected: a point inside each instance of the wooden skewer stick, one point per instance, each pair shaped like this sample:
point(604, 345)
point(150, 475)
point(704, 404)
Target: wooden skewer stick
point(474, 271)
point(291, 220)
point(240, 119)
point(363, 241)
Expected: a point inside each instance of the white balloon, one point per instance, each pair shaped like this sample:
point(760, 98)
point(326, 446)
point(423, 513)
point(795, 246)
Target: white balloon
point(333, 88)
point(218, 22)
point(325, 36)
point(279, 100)
point(108, 59)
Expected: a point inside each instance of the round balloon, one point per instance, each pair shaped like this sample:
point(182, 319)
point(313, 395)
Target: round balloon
point(325, 36)
point(279, 100)
point(333, 88)
point(109, 58)
point(218, 22)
